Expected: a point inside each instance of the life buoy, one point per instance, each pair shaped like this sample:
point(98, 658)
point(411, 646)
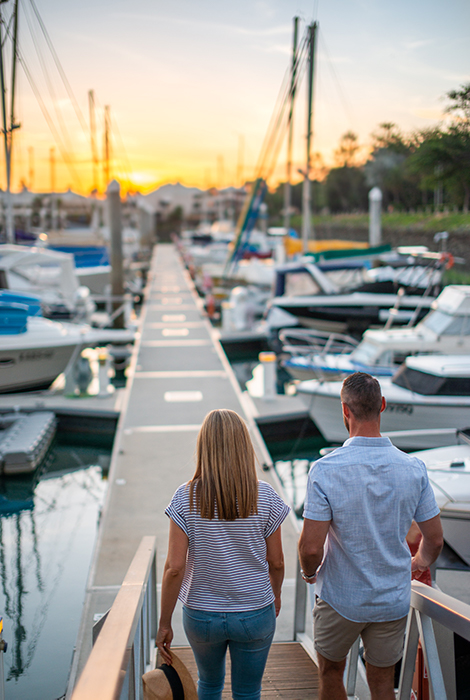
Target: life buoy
point(447, 259)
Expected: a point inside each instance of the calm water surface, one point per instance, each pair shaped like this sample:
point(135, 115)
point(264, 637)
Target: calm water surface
point(48, 527)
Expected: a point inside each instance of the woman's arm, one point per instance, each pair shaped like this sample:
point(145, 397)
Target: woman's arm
point(275, 559)
point(173, 573)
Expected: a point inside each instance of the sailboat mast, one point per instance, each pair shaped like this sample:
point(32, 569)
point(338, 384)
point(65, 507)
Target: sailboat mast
point(94, 155)
point(307, 227)
point(287, 199)
point(8, 131)
point(106, 146)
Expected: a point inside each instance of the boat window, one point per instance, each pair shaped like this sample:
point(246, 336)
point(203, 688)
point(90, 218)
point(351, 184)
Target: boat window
point(385, 359)
point(455, 386)
point(3, 280)
point(444, 324)
point(429, 384)
point(420, 382)
point(300, 284)
point(365, 353)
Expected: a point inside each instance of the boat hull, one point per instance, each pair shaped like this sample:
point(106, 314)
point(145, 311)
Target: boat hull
point(29, 369)
point(406, 416)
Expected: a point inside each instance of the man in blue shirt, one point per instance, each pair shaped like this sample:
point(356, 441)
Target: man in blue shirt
point(361, 500)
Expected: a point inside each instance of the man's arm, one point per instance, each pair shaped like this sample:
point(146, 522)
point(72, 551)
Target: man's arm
point(311, 542)
point(431, 544)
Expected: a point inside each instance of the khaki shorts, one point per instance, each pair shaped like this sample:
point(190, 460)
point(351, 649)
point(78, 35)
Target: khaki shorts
point(335, 635)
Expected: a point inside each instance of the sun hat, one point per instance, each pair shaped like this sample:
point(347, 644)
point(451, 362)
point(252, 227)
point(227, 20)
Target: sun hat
point(169, 682)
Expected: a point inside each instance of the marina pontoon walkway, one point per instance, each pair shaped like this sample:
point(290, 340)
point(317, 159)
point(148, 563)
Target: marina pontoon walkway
point(178, 373)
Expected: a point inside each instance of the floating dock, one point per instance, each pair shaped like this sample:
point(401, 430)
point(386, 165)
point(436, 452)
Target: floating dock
point(178, 374)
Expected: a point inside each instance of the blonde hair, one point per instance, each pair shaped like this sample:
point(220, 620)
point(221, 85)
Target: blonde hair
point(225, 477)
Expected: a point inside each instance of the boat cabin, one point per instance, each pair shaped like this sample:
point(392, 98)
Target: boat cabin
point(434, 375)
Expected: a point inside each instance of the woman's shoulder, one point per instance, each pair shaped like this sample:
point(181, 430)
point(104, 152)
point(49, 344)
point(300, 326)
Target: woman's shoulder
point(181, 495)
point(267, 493)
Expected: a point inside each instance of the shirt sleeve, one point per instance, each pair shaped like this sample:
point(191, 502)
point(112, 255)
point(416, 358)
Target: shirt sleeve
point(278, 512)
point(316, 506)
point(176, 509)
point(427, 507)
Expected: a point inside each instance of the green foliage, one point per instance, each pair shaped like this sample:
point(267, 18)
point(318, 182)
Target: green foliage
point(346, 189)
point(442, 156)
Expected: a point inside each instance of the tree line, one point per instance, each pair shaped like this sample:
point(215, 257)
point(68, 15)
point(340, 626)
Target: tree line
point(429, 168)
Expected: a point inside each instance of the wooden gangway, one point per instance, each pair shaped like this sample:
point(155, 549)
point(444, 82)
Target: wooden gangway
point(290, 673)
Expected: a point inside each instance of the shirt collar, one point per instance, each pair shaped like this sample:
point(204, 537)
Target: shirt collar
point(360, 440)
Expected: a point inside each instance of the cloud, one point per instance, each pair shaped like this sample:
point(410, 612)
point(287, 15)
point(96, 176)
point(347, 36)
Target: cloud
point(219, 26)
point(418, 44)
point(429, 113)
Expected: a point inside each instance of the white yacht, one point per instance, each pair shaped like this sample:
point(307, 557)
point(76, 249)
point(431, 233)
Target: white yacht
point(426, 394)
point(35, 350)
point(449, 474)
point(49, 274)
point(445, 330)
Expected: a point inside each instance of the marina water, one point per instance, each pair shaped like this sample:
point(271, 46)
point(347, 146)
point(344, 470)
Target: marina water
point(48, 527)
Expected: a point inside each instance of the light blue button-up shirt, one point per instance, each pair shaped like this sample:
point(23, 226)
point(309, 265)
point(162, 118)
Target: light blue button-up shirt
point(371, 491)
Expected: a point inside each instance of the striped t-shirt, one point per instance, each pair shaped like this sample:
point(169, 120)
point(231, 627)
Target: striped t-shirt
point(226, 568)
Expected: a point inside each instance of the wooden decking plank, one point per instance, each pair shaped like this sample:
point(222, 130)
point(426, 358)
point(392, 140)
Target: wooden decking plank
point(290, 673)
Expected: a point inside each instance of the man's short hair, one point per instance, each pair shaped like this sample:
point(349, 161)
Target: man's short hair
point(362, 393)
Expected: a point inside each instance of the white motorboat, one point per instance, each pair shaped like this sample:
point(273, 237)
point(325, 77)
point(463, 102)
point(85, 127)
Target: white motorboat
point(402, 293)
point(426, 394)
point(49, 274)
point(35, 350)
point(449, 474)
point(445, 330)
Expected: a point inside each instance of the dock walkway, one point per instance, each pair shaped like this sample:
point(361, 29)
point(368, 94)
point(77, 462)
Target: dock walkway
point(290, 673)
point(178, 374)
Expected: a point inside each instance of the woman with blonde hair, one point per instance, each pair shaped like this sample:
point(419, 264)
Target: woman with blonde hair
point(225, 561)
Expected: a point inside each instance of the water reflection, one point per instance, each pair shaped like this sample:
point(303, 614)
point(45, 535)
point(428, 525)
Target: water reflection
point(47, 531)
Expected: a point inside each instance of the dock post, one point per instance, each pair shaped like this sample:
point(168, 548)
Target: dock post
point(268, 363)
point(113, 196)
point(375, 217)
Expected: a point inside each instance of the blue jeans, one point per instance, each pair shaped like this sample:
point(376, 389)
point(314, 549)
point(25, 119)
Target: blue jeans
point(248, 635)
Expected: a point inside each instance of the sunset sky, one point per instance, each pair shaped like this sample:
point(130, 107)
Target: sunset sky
point(192, 85)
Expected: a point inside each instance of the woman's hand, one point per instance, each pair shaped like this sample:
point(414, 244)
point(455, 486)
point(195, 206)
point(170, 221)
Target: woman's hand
point(277, 604)
point(163, 642)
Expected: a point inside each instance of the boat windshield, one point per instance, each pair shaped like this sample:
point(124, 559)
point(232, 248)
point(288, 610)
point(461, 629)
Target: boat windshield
point(430, 384)
point(365, 353)
point(445, 324)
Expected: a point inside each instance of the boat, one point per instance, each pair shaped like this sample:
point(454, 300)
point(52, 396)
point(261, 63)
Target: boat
point(34, 350)
point(445, 330)
point(449, 474)
point(92, 265)
point(426, 394)
point(401, 291)
point(48, 274)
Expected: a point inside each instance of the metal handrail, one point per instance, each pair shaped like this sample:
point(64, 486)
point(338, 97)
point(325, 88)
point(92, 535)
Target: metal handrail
point(121, 653)
point(433, 619)
point(431, 613)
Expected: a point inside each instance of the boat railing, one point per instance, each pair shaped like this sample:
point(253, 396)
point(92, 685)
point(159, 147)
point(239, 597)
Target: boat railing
point(124, 637)
point(433, 619)
point(305, 341)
